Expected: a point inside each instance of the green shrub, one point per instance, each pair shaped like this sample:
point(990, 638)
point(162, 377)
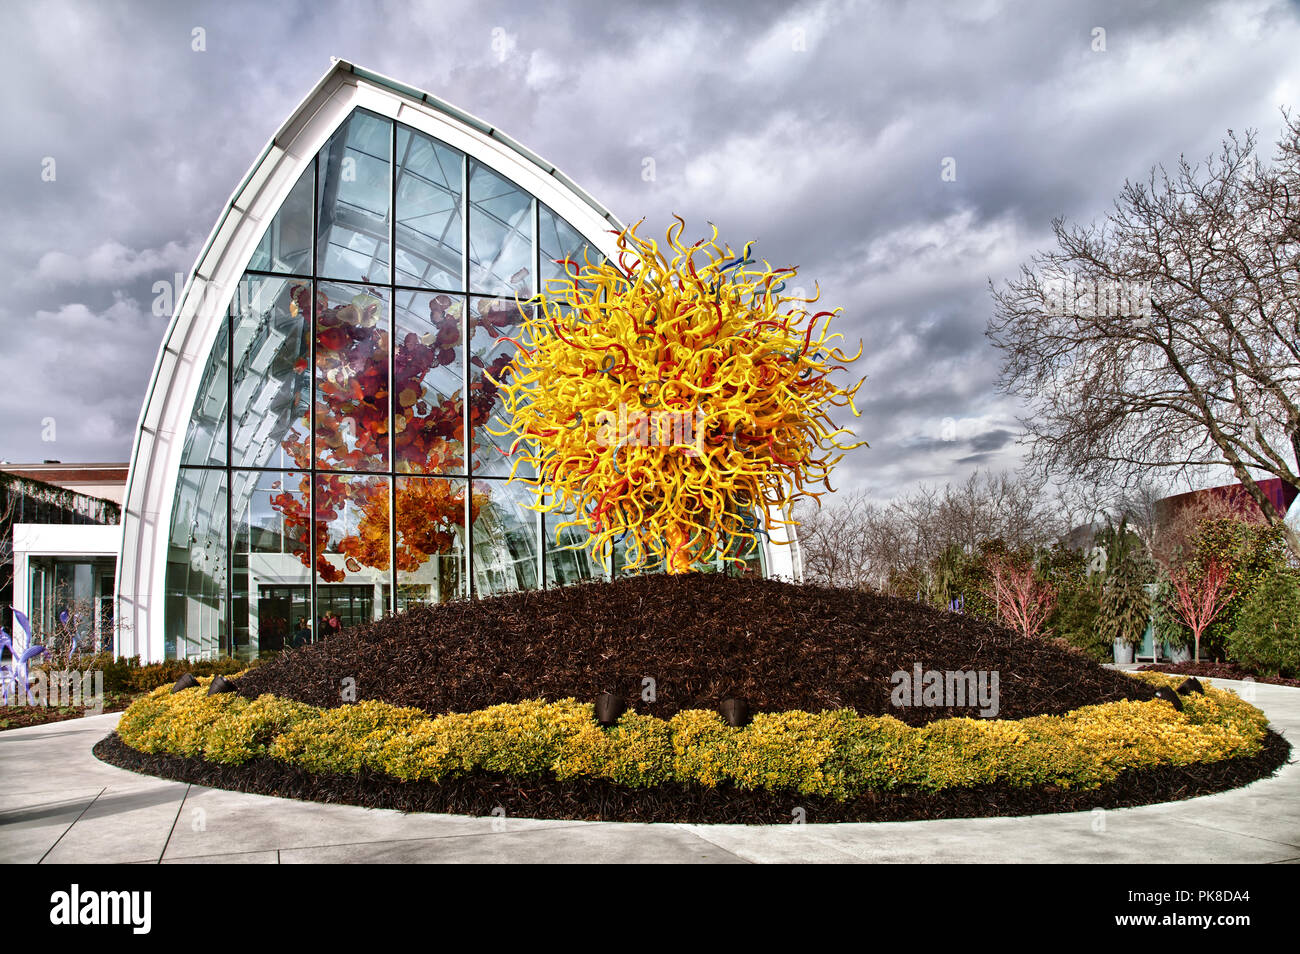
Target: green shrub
point(837, 754)
point(1169, 629)
point(126, 674)
point(150, 677)
point(1078, 606)
point(1254, 551)
point(117, 671)
point(1266, 637)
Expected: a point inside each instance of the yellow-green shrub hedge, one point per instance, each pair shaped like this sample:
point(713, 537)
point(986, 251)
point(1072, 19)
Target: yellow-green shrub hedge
point(838, 754)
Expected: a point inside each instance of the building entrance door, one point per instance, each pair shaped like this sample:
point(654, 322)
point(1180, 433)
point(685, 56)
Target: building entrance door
point(280, 612)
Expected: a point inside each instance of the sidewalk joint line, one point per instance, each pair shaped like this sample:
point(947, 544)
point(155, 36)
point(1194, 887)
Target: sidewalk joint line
point(171, 831)
point(69, 828)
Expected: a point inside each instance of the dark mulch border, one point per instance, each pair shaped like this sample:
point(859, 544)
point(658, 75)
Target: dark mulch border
point(1213, 670)
point(600, 800)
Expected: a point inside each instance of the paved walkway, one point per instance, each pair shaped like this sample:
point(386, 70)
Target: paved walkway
point(58, 803)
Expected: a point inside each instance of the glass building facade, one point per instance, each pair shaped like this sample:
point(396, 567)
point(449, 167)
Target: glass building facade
point(325, 442)
point(341, 458)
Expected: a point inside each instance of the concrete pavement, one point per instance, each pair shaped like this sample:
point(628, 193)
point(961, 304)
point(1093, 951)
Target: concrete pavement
point(59, 804)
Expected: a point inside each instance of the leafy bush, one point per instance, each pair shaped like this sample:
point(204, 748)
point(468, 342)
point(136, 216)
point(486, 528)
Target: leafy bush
point(1266, 638)
point(126, 674)
point(1169, 629)
point(836, 753)
point(1255, 553)
point(1078, 607)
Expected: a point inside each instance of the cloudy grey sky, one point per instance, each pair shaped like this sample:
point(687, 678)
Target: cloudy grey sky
point(818, 129)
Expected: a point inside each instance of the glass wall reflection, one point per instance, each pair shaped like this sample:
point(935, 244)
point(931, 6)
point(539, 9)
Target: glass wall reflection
point(430, 539)
point(271, 558)
point(356, 371)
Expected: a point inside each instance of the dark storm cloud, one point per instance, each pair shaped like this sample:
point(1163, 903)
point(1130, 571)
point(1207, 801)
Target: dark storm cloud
point(992, 440)
point(818, 129)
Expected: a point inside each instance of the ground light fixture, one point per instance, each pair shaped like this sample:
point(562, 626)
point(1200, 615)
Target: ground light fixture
point(735, 712)
point(187, 681)
point(1171, 697)
point(219, 685)
point(1190, 685)
point(608, 708)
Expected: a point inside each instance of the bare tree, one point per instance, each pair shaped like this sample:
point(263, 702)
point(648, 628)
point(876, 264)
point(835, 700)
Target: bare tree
point(852, 541)
point(1168, 336)
point(834, 541)
point(1173, 541)
point(1198, 599)
point(8, 511)
point(1023, 601)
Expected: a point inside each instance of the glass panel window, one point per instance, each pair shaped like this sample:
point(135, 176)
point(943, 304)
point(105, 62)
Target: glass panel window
point(271, 586)
point(196, 584)
point(500, 234)
point(428, 413)
point(430, 223)
point(557, 241)
point(505, 537)
point(205, 440)
point(272, 350)
point(353, 549)
point(70, 603)
point(568, 558)
point(351, 378)
point(430, 539)
point(286, 244)
point(355, 181)
point(747, 550)
point(355, 388)
point(493, 321)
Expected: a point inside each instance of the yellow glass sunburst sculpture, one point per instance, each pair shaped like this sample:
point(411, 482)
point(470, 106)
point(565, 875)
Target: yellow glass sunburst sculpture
point(675, 403)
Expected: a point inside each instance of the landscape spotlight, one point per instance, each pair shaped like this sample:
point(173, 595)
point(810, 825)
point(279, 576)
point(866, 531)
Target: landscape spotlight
point(219, 685)
point(186, 681)
point(608, 708)
point(1167, 694)
point(735, 712)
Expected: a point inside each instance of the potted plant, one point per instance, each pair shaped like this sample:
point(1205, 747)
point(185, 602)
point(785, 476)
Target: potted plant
point(1123, 651)
point(1125, 604)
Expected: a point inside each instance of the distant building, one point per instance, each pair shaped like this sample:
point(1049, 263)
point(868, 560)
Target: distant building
point(60, 535)
point(1280, 494)
point(100, 481)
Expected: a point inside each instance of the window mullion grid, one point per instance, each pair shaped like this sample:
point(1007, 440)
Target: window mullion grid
point(311, 395)
point(467, 443)
point(229, 473)
point(392, 370)
point(468, 588)
point(540, 529)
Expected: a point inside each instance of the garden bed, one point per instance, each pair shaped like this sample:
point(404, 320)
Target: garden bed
point(22, 717)
point(475, 706)
point(552, 758)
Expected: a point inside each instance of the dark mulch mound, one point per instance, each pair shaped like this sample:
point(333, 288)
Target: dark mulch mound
point(599, 800)
point(1216, 670)
point(701, 637)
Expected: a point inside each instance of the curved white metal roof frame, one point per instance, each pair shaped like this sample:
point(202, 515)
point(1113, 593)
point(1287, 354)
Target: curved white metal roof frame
point(179, 366)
